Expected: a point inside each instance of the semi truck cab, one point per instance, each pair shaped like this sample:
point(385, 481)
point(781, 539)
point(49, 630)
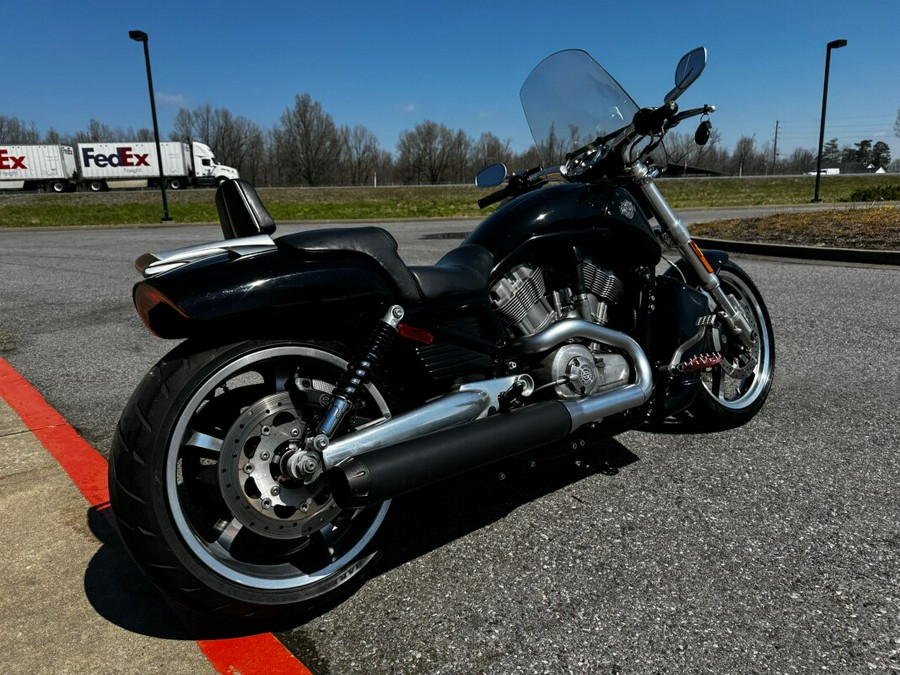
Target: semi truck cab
point(207, 170)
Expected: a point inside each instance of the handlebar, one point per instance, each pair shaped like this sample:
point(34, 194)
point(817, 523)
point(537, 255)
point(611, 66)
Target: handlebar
point(520, 184)
point(693, 112)
point(646, 122)
point(493, 198)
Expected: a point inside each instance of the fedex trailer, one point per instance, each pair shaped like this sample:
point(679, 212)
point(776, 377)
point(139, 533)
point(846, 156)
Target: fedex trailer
point(110, 165)
point(37, 167)
point(103, 166)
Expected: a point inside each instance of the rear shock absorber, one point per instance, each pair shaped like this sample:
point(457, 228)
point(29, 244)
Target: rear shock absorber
point(358, 372)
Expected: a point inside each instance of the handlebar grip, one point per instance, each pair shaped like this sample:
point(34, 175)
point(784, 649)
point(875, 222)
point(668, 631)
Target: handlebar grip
point(492, 198)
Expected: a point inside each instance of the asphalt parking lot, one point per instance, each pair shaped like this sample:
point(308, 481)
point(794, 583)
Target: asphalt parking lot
point(771, 548)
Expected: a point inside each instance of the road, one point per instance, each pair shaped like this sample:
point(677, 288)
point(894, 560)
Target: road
point(771, 548)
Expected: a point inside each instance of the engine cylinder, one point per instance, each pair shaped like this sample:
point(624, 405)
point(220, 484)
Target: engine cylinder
point(520, 300)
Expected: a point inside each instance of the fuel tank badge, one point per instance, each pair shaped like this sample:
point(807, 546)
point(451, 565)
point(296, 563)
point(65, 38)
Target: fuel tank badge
point(626, 209)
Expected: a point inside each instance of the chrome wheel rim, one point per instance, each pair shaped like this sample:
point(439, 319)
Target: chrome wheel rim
point(204, 512)
point(738, 393)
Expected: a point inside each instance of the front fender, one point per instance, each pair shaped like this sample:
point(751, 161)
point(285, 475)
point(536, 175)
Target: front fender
point(264, 295)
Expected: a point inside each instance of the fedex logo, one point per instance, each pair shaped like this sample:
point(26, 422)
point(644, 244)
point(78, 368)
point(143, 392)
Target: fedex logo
point(8, 161)
point(121, 157)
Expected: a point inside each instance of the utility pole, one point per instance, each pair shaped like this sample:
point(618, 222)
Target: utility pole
point(775, 149)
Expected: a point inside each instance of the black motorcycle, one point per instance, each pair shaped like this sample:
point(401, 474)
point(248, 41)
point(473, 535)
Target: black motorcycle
point(321, 376)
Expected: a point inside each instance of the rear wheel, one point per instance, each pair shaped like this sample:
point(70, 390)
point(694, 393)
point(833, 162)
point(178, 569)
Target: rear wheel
point(197, 485)
point(735, 390)
point(96, 186)
point(57, 186)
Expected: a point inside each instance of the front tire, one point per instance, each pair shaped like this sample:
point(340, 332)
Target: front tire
point(197, 489)
point(732, 395)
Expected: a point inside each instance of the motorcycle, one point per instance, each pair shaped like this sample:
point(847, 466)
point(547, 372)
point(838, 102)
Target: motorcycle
point(321, 376)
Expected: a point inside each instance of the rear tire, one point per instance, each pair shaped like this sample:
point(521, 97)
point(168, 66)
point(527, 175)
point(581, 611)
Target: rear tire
point(196, 485)
point(728, 400)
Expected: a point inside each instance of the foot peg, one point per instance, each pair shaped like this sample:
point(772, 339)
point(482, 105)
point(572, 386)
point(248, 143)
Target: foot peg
point(699, 362)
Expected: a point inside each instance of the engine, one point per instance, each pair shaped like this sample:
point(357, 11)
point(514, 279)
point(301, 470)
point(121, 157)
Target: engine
point(523, 303)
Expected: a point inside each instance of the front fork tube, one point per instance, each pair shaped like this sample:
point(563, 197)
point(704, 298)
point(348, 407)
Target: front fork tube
point(731, 312)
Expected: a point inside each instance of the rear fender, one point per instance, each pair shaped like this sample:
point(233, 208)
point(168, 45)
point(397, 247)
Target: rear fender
point(268, 294)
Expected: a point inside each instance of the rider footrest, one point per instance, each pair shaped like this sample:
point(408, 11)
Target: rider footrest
point(699, 362)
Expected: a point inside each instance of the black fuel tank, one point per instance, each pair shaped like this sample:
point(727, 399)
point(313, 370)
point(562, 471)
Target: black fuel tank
point(604, 216)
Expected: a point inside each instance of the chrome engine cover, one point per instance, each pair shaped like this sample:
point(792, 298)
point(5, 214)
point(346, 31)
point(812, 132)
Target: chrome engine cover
point(579, 372)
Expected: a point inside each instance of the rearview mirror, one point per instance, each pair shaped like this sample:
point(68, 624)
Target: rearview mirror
point(491, 176)
point(687, 72)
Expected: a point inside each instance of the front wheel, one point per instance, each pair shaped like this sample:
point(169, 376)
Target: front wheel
point(198, 490)
point(736, 389)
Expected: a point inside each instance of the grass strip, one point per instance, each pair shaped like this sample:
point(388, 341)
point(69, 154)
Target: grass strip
point(384, 203)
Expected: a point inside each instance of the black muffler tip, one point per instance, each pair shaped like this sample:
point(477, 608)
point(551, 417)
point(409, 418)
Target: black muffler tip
point(395, 470)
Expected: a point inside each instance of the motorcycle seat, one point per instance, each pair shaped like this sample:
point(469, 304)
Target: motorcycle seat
point(463, 271)
point(374, 243)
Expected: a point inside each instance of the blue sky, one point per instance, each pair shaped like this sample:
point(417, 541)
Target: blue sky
point(390, 65)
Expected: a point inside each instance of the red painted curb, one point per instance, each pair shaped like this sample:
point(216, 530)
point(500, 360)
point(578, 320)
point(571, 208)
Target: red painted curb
point(84, 465)
point(254, 655)
point(258, 654)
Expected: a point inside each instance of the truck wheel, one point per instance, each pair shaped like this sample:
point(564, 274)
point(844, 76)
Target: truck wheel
point(96, 186)
point(56, 186)
point(176, 184)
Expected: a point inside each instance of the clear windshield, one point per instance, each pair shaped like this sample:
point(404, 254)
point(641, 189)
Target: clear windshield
point(569, 100)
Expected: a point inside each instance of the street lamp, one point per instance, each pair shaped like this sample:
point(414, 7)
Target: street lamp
point(141, 36)
point(834, 44)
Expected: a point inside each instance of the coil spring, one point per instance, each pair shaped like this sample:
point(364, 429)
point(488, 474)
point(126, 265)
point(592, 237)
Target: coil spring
point(360, 370)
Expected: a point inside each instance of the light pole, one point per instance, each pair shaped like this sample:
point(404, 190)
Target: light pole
point(141, 36)
point(834, 44)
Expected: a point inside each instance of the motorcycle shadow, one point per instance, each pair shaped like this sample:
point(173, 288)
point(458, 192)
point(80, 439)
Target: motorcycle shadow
point(419, 523)
point(120, 593)
point(429, 519)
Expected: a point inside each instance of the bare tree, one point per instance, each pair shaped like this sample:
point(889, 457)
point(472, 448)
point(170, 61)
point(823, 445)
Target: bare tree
point(235, 140)
point(363, 154)
point(184, 126)
point(15, 130)
point(489, 149)
point(459, 153)
point(423, 154)
point(307, 143)
point(801, 160)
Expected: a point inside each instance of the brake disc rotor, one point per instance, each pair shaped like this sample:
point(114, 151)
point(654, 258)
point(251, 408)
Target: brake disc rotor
point(736, 362)
point(258, 493)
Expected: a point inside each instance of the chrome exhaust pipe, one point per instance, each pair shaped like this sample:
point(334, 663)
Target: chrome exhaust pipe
point(468, 403)
point(367, 470)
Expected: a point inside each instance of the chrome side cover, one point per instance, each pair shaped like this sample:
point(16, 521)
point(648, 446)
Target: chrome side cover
point(152, 264)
